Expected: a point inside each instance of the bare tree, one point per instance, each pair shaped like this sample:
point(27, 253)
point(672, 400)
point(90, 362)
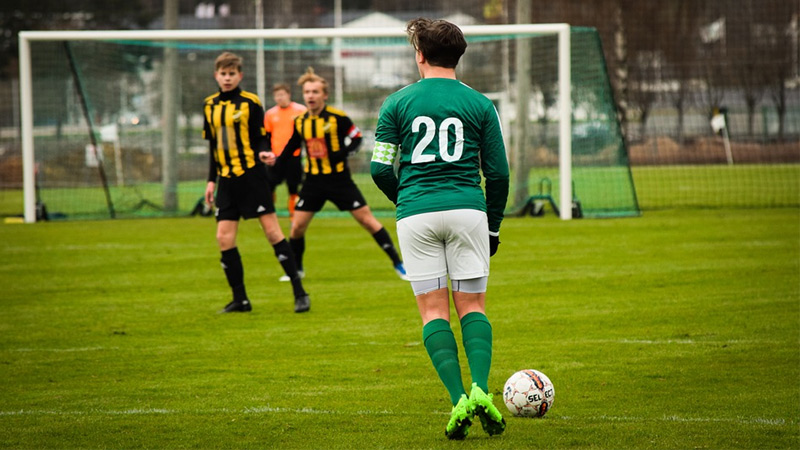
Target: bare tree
point(679, 34)
point(775, 36)
point(745, 52)
point(544, 79)
point(715, 70)
point(642, 59)
point(714, 73)
point(643, 87)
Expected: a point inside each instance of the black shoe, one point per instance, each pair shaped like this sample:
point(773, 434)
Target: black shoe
point(302, 303)
point(237, 306)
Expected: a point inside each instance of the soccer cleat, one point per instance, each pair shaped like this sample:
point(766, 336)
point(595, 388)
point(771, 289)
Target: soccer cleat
point(401, 271)
point(237, 306)
point(286, 277)
point(491, 419)
point(302, 303)
point(460, 420)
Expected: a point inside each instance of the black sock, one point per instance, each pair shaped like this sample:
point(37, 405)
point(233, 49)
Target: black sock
point(298, 248)
point(234, 272)
point(283, 251)
point(385, 242)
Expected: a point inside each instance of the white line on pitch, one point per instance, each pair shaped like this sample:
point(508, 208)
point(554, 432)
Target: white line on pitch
point(685, 342)
point(65, 350)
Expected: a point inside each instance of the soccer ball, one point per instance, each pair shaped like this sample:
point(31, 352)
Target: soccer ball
point(529, 393)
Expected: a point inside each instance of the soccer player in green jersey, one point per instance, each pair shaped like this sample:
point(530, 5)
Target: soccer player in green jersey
point(441, 134)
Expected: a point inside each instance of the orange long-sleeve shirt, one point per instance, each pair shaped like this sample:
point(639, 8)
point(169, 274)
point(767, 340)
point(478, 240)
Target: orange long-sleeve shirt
point(279, 123)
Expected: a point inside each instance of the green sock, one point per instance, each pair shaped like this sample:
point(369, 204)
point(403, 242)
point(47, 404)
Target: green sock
point(443, 351)
point(476, 332)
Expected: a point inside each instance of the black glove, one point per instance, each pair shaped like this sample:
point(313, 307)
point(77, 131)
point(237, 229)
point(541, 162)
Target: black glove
point(494, 241)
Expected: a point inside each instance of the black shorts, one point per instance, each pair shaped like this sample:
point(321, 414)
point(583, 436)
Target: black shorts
point(340, 190)
point(245, 196)
point(290, 171)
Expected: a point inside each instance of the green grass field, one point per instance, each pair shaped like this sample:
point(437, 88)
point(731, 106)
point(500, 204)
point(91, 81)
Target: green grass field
point(674, 330)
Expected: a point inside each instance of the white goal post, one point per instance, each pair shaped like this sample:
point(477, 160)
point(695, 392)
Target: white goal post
point(562, 31)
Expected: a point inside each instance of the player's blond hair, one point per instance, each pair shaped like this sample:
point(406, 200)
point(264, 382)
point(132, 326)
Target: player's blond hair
point(310, 75)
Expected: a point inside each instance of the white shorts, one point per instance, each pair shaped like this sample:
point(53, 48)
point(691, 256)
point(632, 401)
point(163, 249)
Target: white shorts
point(453, 243)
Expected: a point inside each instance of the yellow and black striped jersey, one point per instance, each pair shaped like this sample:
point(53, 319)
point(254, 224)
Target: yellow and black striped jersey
point(328, 138)
point(234, 126)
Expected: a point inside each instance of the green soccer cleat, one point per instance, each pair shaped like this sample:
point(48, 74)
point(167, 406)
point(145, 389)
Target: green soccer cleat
point(460, 420)
point(491, 419)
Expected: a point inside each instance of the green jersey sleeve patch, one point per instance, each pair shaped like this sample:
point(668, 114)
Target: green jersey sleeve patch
point(384, 153)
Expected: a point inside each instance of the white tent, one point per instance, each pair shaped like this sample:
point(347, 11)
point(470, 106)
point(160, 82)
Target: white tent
point(375, 20)
point(377, 65)
point(461, 19)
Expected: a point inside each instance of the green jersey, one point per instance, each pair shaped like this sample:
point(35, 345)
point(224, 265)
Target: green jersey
point(441, 134)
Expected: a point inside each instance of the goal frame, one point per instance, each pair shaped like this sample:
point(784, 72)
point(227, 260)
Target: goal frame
point(561, 30)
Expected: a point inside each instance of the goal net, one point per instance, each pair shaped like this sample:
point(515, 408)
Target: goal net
point(112, 121)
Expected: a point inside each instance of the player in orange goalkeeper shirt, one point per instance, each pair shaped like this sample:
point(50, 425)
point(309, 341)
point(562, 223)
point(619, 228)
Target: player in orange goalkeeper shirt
point(279, 123)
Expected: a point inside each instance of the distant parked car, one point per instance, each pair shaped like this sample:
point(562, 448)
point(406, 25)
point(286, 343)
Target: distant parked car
point(591, 137)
